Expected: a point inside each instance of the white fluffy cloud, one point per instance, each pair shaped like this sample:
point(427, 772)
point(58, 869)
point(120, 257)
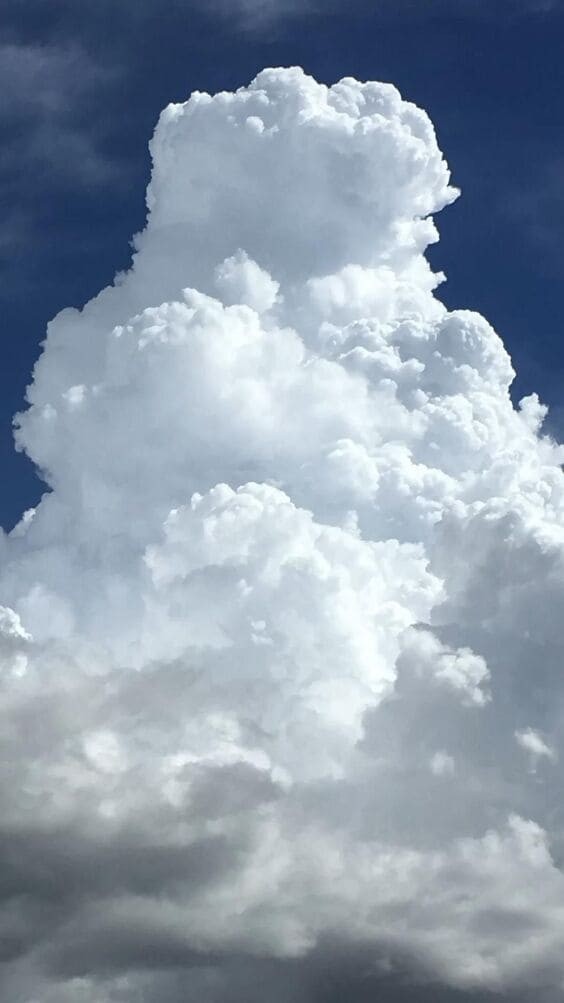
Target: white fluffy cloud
point(281, 650)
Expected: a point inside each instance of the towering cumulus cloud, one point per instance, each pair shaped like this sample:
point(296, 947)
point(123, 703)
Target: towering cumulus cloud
point(281, 650)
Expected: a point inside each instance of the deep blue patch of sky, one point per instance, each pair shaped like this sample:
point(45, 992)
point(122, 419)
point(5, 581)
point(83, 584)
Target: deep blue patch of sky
point(83, 84)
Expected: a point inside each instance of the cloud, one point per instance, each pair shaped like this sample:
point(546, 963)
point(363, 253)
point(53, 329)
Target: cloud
point(42, 87)
point(74, 20)
point(534, 745)
point(281, 649)
point(261, 14)
point(46, 134)
point(58, 156)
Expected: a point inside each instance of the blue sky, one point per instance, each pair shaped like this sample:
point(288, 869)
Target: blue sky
point(82, 86)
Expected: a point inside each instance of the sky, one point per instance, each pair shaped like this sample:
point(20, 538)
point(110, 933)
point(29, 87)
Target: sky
point(280, 628)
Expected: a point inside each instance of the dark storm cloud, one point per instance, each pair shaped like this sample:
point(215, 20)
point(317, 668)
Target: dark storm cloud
point(334, 974)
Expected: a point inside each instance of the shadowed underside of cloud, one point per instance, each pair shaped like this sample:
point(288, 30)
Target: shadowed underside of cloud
point(282, 709)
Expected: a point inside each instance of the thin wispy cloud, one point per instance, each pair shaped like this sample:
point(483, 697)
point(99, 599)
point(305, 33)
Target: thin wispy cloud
point(54, 141)
point(43, 115)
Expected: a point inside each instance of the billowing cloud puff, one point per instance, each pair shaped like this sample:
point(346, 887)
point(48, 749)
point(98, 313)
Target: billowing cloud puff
point(281, 649)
